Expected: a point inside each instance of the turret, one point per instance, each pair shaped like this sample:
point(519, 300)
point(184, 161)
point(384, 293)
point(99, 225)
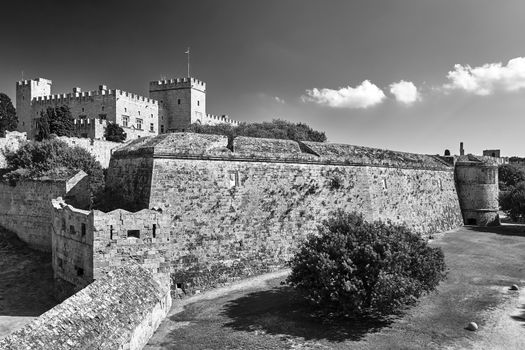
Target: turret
point(477, 187)
point(26, 91)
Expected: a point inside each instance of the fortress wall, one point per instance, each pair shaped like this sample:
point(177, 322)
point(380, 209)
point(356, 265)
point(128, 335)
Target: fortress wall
point(231, 219)
point(72, 248)
point(131, 178)
point(26, 210)
point(101, 149)
point(121, 310)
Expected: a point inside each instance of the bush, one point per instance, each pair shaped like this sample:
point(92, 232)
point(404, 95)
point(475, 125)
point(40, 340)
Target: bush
point(53, 157)
point(509, 176)
point(358, 268)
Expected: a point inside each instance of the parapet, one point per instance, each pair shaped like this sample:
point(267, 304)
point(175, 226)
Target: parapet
point(217, 119)
point(178, 83)
point(202, 146)
point(38, 81)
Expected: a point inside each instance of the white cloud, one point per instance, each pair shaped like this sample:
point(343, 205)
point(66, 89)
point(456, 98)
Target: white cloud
point(279, 100)
point(362, 96)
point(490, 77)
point(405, 92)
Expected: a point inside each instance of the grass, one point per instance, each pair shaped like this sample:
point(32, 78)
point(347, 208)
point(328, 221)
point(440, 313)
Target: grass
point(483, 263)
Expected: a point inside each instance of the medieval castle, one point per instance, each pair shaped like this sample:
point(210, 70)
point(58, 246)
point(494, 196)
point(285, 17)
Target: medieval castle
point(172, 106)
point(206, 212)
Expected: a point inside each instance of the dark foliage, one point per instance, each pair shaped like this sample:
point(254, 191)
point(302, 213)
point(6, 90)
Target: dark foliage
point(53, 158)
point(55, 120)
point(276, 129)
point(358, 268)
point(114, 133)
point(513, 201)
point(509, 176)
point(8, 119)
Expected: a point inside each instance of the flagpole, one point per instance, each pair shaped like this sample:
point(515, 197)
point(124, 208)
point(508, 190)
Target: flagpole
point(188, 52)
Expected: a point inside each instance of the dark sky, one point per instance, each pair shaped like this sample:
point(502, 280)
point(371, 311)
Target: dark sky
point(263, 60)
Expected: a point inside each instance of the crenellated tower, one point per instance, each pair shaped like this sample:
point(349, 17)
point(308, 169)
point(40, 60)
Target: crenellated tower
point(26, 91)
point(181, 102)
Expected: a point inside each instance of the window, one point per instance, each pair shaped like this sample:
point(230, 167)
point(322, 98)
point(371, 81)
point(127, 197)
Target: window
point(151, 127)
point(139, 112)
point(178, 101)
point(154, 230)
point(60, 262)
point(134, 233)
point(110, 231)
point(139, 124)
point(82, 109)
point(198, 103)
point(83, 229)
point(125, 109)
point(125, 121)
point(151, 115)
point(162, 129)
point(385, 185)
point(102, 108)
point(234, 179)
point(80, 271)
point(72, 229)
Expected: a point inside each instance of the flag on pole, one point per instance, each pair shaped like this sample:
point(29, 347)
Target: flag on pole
point(188, 50)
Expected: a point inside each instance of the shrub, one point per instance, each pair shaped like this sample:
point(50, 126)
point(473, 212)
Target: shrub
point(53, 157)
point(509, 176)
point(358, 268)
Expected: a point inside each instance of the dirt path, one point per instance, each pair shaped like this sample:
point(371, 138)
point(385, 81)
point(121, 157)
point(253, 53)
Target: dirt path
point(263, 314)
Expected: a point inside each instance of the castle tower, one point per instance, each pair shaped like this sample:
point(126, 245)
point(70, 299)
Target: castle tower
point(181, 102)
point(477, 186)
point(26, 90)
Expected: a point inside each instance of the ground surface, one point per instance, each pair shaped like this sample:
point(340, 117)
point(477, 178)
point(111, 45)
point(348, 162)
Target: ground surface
point(26, 283)
point(263, 314)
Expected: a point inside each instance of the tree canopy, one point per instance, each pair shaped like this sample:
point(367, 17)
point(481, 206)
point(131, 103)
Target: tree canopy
point(55, 120)
point(115, 133)
point(276, 129)
point(8, 118)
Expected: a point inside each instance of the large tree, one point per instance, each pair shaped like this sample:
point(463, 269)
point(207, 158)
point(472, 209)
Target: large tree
point(115, 133)
point(55, 120)
point(8, 119)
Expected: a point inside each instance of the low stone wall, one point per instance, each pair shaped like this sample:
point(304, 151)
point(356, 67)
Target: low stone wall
point(25, 208)
point(121, 310)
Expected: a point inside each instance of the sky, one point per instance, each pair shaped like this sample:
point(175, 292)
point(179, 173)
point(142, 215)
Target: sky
point(410, 75)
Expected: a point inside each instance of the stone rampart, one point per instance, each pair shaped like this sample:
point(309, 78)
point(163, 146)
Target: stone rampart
point(25, 207)
point(120, 310)
point(240, 213)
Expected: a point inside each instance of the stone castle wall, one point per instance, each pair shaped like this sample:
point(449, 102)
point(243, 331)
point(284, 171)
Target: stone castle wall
point(119, 311)
point(25, 208)
point(101, 149)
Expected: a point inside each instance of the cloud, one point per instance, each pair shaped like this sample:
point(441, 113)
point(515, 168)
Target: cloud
point(279, 100)
point(488, 78)
point(405, 92)
point(362, 96)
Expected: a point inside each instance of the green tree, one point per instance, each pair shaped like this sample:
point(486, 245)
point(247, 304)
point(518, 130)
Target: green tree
point(8, 118)
point(115, 133)
point(276, 129)
point(509, 176)
point(353, 267)
point(55, 120)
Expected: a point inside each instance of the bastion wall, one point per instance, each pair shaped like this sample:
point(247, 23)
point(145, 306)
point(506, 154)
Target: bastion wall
point(243, 212)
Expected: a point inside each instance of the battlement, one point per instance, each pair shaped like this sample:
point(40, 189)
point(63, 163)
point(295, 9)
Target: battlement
point(178, 83)
point(77, 94)
point(38, 81)
point(217, 119)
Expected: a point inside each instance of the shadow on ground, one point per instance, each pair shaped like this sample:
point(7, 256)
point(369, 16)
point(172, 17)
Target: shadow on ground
point(510, 229)
point(521, 316)
point(281, 311)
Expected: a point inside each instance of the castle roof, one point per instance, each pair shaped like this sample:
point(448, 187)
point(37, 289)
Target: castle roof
point(203, 146)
